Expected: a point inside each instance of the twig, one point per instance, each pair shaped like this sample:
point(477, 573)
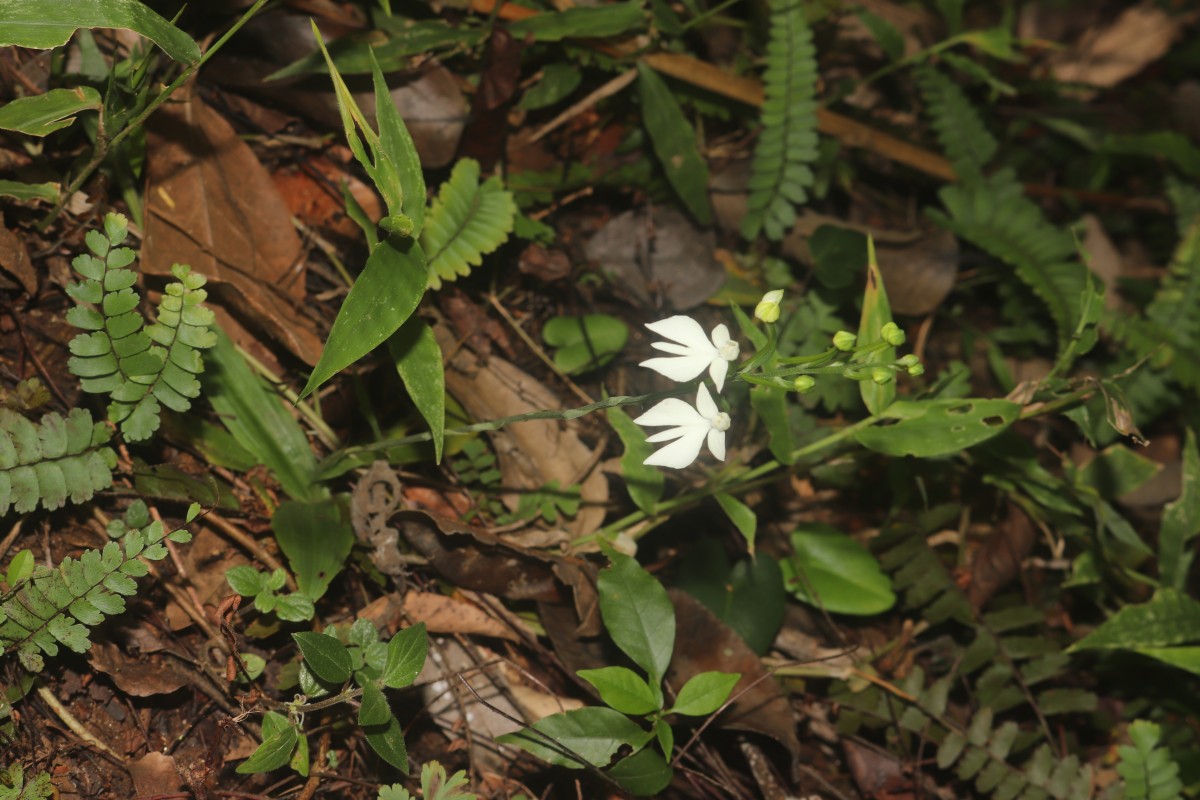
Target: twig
point(75, 725)
point(607, 90)
point(537, 350)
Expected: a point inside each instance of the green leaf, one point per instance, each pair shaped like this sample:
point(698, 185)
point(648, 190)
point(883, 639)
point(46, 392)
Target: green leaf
point(591, 735)
point(383, 296)
point(246, 580)
point(399, 153)
point(876, 313)
point(674, 142)
point(750, 597)
point(838, 254)
point(258, 421)
point(1115, 471)
point(704, 693)
point(43, 24)
point(742, 517)
point(406, 656)
point(29, 191)
point(590, 22)
point(644, 484)
point(45, 113)
point(830, 570)
point(622, 689)
point(1181, 521)
point(637, 614)
point(643, 774)
point(584, 343)
point(299, 760)
point(467, 221)
point(771, 405)
point(20, 568)
point(316, 537)
point(374, 709)
point(272, 754)
point(418, 359)
point(931, 428)
point(326, 656)
point(388, 741)
point(294, 607)
point(1154, 628)
point(558, 80)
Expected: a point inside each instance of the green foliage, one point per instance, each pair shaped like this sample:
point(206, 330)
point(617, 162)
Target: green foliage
point(1148, 769)
point(44, 24)
point(467, 221)
point(1167, 628)
point(14, 787)
point(57, 606)
point(45, 113)
point(264, 588)
point(930, 428)
point(56, 460)
point(584, 343)
point(434, 785)
point(316, 537)
point(830, 570)
point(674, 142)
point(138, 368)
point(644, 484)
point(781, 174)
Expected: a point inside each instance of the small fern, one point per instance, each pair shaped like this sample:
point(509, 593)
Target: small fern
point(57, 606)
point(434, 785)
point(993, 213)
point(467, 221)
point(58, 459)
point(138, 367)
point(1148, 769)
point(780, 173)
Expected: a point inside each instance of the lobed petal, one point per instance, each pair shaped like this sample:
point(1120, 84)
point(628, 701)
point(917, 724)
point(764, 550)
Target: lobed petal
point(679, 368)
point(675, 349)
point(720, 336)
point(705, 405)
point(716, 443)
point(684, 330)
point(717, 370)
point(680, 453)
point(674, 412)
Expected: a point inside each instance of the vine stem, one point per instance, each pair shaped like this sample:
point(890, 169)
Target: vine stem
point(104, 144)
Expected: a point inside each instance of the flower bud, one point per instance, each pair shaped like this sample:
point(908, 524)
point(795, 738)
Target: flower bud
point(804, 383)
point(881, 375)
point(908, 361)
point(892, 334)
point(916, 369)
point(844, 340)
point(767, 309)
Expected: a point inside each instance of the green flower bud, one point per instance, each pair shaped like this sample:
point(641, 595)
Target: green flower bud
point(804, 383)
point(844, 340)
point(881, 375)
point(767, 309)
point(908, 361)
point(892, 334)
point(916, 369)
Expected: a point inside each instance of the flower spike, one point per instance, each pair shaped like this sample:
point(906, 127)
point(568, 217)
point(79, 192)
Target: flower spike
point(689, 428)
point(692, 351)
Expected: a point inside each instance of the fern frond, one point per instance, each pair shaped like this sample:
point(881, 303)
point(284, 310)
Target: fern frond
point(1185, 198)
point(56, 460)
point(961, 132)
point(58, 605)
point(467, 221)
point(780, 173)
point(138, 367)
point(1148, 770)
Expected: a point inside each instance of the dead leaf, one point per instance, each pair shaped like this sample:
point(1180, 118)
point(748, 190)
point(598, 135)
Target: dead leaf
point(998, 561)
point(207, 559)
point(1106, 56)
point(376, 497)
point(14, 258)
point(211, 204)
point(144, 676)
point(442, 614)
point(434, 111)
point(530, 454)
point(877, 773)
point(154, 775)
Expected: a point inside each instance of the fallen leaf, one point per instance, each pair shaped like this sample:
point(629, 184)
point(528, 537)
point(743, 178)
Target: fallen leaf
point(442, 614)
point(1108, 55)
point(154, 775)
point(14, 259)
point(211, 204)
point(144, 676)
point(434, 111)
point(998, 561)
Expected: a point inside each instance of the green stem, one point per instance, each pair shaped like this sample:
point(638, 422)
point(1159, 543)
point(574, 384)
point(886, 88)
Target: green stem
point(102, 146)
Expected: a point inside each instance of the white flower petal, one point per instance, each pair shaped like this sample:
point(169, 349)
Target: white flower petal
point(673, 412)
point(716, 443)
point(717, 370)
point(671, 434)
point(679, 453)
point(676, 349)
point(684, 330)
point(705, 405)
point(679, 368)
point(720, 336)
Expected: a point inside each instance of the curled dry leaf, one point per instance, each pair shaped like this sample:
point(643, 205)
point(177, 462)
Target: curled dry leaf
point(143, 676)
point(998, 561)
point(1107, 55)
point(14, 259)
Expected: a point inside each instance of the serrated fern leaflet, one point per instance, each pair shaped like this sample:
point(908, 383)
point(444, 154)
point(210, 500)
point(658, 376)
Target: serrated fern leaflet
point(467, 221)
point(58, 459)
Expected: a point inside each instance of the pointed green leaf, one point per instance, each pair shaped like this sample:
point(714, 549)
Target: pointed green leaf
point(45, 113)
point(637, 614)
point(325, 656)
point(374, 709)
point(406, 656)
point(43, 24)
point(674, 142)
point(622, 689)
point(418, 359)
point(704, 693)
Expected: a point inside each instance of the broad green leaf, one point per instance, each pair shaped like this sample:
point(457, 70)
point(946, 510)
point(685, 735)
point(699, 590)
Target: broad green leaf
point(326, 656)
point(674, 142)
point(830, 570)
point(374, 709)
point(383, 296)
point(246, 580)
point(584, 343)
point(351, 54)
point(876, 313)
point(1181, 521)
point(45, 113)
point(406, 656)
point(1168, 619)
point(20, 568)
point(388, 741)
point(637, 614)
point(43, 24)
point(837, 254)
point(272, 754)
point(622, 689)
point(644, 484)
point(590, 735)
point(750, 597)
point(316, 537)
point(590, 22)
point(1187, 658)
point(29, 191)
point(558, 80)
point(1117, 470)
point(742, 517)
point(704, 693)
point(418, 360)
point(294, 607)
point(644, 774)
point(256, 417)
point(938, 427)
point(771, 405)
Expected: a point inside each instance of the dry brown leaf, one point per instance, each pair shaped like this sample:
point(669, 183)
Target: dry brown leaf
point(14, 258)
point(998, 561)
point(211, 204)
point(207, 560)
point(442, 614)
point(1106, 56)
point(137, 677)
point(155, 775)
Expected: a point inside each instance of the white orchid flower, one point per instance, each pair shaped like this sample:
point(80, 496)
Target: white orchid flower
point(692, 351)
point(689, 428)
